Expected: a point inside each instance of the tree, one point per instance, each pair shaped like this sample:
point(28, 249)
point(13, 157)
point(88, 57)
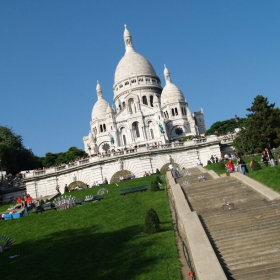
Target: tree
point(224, 127)
point(72, 154)
point(14, 156)
point(261, 129)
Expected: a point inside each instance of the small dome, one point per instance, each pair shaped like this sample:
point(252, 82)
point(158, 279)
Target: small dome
point(170, 92)
point(100, 107)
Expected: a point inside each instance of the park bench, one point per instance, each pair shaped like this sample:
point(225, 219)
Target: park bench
point(94, 198)
point(134, 189)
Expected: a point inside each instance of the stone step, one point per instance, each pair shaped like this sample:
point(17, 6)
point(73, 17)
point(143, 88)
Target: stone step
point(245, 237)
point(268, 271)
point(236, 225)
point(237, 214)
point(257, 260)
point(249, 249)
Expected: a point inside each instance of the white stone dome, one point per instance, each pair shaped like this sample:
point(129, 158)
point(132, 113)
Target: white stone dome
point(171, 93)
point(100, 107)
point(132, 63)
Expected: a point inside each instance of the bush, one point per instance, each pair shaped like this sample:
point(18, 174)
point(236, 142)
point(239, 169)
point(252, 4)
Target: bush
point(256, 166)
point(154, 186)
point(151, 222)
point(158, 180)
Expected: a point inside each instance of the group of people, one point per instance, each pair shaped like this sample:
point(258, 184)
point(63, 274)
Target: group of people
point(267, 157)
point(230, 167)
point(127, 177)
point(26, 201)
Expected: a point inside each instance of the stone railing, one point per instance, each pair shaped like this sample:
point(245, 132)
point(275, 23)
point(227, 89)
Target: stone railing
point(118, 153)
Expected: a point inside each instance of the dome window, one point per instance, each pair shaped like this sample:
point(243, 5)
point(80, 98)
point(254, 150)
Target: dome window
point(140, 80)
point(151, 101)
point(144, 100)
point(120, 86)
point(126, 83)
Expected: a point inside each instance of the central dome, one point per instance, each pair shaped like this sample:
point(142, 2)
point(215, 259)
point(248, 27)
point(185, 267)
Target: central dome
point(132, 63)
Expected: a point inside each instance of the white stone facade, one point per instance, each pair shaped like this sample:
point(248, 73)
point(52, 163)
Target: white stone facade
point(143, 111)
point(43, 182)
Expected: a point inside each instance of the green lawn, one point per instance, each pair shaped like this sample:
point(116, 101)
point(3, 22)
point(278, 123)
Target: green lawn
point(101, 240)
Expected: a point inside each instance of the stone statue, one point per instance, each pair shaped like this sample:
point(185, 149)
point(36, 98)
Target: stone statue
point(112, 141)
point(120, 163)
point(160, 128)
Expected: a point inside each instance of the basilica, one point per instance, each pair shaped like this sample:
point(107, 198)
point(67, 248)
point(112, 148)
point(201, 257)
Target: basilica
point(144, 112)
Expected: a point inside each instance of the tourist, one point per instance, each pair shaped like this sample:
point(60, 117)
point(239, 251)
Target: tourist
point(252, 163)
point(57, 189)
point(199, 162)
point(278, 159)
point(270, 156)
point(105, 181)
point(24, 203)
point(19, 200)
point(242, 164)
point(170, 167)
point(264, 158)
point(229, 166)
point(29, 200)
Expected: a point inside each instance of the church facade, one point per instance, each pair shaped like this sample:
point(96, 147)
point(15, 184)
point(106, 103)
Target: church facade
point(144, 112)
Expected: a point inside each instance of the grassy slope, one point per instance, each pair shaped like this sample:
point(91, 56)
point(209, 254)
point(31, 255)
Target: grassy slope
point(102, 240)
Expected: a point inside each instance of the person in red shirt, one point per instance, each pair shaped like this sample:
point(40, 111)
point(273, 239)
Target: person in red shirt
point(230, 166)
point(19, 200)
point(29, 199)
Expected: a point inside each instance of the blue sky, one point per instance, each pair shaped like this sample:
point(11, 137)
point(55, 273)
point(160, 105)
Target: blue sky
point(221, 54)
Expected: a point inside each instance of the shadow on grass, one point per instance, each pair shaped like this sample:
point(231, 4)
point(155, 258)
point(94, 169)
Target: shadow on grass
point(80, 254)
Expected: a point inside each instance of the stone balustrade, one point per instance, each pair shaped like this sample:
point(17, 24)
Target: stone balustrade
point(120, 153)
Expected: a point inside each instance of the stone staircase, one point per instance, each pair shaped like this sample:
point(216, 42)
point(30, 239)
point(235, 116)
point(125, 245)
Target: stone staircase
point(246, 238)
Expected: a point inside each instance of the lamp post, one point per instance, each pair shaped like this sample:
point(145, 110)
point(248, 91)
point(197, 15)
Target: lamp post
point(237, 122)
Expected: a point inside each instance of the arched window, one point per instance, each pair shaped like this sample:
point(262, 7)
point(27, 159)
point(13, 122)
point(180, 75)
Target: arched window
point(172, 112)
point(104, 127)
point(176, 112)
point(135, 130)
point(167, 115)
point(123, 104)
point(151, 100)
point(144, 100)
point(101, 128)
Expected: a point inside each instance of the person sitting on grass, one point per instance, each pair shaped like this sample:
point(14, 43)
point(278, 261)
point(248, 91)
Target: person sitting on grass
point(242, 164)
point(229, 166)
